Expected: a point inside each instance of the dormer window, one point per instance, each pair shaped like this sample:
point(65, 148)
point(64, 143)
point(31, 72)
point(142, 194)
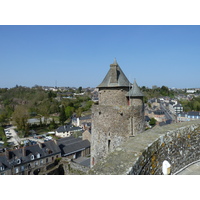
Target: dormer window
point(1, 168)
point(18, 161)
point(32, 157)
point(38, 155)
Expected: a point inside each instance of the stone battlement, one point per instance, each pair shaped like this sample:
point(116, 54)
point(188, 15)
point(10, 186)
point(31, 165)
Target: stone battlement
point(145, 153)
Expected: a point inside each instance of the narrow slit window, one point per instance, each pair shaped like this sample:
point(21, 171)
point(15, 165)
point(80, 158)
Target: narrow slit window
point(109, 145)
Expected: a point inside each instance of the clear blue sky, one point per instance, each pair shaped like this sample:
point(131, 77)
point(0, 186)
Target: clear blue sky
point(81, 55)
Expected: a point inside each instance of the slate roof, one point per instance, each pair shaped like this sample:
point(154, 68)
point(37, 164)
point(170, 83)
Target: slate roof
point(76, 147)
point(190, 113)
point(193, 113)
point(135, 91)
point(4, 162)
point(67, 128)
point(71, 145)
point(159, 112)
point(85, 117)
point(50, 145)
point(178, 105)
point(114, 78)
point(29, 153)
point(146, 118)
point(67, 140)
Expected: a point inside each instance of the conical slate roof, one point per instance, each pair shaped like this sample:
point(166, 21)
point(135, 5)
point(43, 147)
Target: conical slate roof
point(115, 77)
point(135, 91)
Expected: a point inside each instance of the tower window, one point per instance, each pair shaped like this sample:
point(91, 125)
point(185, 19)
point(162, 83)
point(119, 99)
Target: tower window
point(128, 101)
point(109, 145)
point(93, 161)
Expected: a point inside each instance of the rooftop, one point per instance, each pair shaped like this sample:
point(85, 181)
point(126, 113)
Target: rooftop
point(135, 91)
point(115, 77)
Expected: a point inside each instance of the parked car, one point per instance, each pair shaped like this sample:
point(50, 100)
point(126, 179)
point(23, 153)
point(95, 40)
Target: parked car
point(48, 138)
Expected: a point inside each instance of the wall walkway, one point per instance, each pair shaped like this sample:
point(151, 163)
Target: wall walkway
point(179, 144)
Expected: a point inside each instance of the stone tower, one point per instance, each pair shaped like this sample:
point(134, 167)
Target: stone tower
point(119, 114)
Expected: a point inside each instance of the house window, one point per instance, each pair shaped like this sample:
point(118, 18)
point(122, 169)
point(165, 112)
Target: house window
point(22, 168)
point(29, 166)
point(1, 168)
point(41, 161)
point(16, 170)
point(47, 160)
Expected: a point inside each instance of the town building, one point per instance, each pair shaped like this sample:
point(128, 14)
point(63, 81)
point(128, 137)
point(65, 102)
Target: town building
point(74, 148)
point(119, 114)
point(78, 121)
point(38, 158)
point(29, 160)
point(188, 116)
point(67, 130)
point(178, 108)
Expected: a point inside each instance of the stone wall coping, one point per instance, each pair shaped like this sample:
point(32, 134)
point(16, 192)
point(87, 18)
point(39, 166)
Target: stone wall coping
point(121, 161)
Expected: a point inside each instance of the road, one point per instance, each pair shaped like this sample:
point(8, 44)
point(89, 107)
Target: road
point(16, 140)
point(14, 137)
point(168, 115)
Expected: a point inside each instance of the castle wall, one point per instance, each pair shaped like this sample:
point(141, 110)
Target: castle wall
point(117, 117)
point(144, 154)
point(136, 101)
point(113, 96)
point(112, 126)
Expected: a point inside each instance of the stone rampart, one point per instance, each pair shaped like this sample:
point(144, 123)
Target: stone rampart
point(179, 144)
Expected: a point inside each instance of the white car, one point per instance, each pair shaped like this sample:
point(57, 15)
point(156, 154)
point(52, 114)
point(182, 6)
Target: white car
point(48, 138)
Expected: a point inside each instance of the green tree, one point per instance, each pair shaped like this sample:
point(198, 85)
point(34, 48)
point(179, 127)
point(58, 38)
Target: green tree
point(62, 116)
point(79, 112)
point(79, 90)
point(3, 118)
point(3, 137)
point(88, 105)
point(69, 111)
point(152, 122)
point(164, 91)
point(52, 124)
point(20, 117)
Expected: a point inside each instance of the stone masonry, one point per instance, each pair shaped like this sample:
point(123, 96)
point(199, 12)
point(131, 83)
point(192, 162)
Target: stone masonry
point(179, 144)
point(118, 116)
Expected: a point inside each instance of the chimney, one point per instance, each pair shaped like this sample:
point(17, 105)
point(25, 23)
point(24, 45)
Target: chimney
point(23, 151)
point(6, 153)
